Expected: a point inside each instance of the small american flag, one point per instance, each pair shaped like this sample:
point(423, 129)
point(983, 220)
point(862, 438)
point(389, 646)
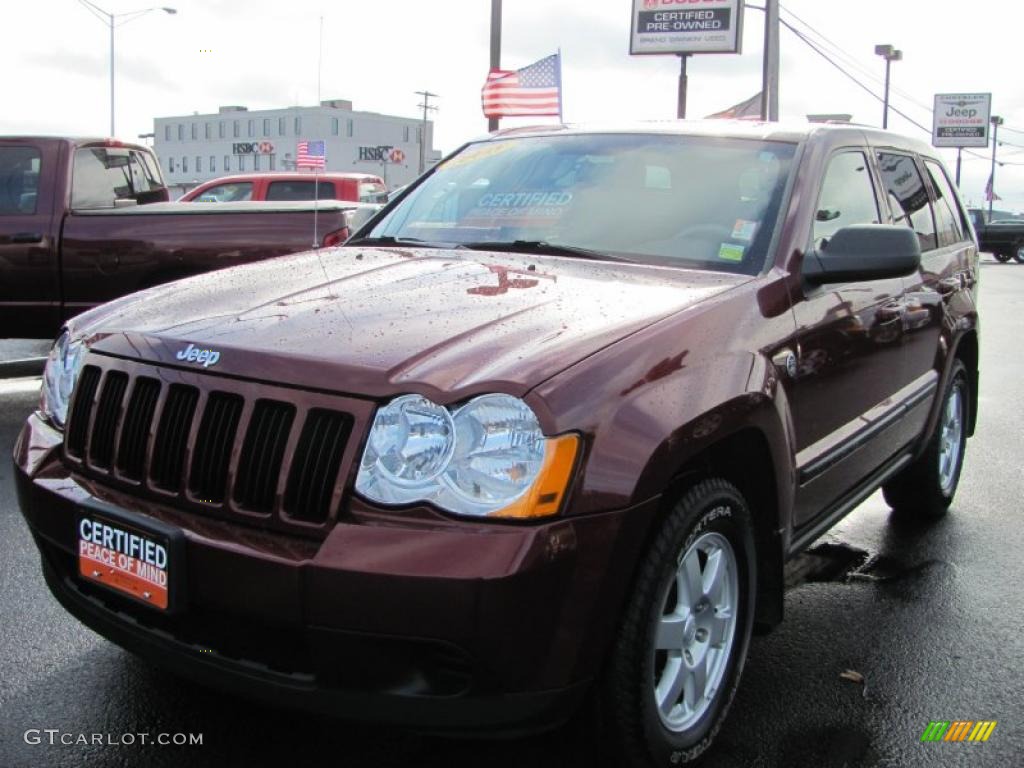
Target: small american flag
point(990, 193)
point(311, 154)
point(532, 90)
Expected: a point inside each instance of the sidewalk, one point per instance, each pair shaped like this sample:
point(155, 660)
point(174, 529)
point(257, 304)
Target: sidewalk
point(22, 357)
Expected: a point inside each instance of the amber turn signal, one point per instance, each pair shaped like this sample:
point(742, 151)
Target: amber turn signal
point(545, 495)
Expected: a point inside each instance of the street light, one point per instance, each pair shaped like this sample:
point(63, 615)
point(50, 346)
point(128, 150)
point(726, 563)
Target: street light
point(115, 20)
point(890, 55)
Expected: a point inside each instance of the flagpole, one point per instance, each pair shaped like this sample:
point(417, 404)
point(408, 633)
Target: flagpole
point(560, 118)
point(316, 197)
point(492, 122)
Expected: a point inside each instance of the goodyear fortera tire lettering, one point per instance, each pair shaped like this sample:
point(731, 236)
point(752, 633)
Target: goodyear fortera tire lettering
point(647, 726)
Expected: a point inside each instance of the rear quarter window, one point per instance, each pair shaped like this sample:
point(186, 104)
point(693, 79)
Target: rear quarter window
point(949, 216)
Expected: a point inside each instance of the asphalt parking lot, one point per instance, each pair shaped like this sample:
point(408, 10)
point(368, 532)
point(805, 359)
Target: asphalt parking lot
point(932, 618)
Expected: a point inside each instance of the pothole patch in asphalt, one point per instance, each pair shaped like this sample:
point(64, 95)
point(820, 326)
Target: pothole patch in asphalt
point(828, 561)
point(833, 561)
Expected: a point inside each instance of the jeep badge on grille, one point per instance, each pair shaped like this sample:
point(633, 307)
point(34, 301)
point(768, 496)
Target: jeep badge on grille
point(192, 354)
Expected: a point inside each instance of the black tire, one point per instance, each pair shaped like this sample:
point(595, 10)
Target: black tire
point(711, 510)
point(918, 491)
point(1018, 253)
point(1002, 256)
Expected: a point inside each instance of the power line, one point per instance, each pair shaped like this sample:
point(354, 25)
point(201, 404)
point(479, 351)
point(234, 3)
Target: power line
point(838, 51)
point(851, 61)
point(861, 85)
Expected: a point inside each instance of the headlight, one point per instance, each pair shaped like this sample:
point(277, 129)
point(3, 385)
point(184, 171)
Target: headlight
point(487, 457)
point(59, 376)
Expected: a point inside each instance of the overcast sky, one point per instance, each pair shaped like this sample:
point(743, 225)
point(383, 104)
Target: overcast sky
point(263, 53)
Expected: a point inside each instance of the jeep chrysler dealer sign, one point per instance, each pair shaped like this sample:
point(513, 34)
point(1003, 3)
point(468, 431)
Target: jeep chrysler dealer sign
point(961, 119)
point(686, 26)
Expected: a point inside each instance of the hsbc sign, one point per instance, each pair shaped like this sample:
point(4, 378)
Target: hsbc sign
point(252, 148)
point(382, 153)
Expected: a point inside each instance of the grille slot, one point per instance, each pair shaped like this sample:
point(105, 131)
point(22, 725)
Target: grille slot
point(262, 453)
point(315, 465)
point(78, 428)
point(108, 412)
point(172, 436)
point(214, 442)
point(131, 453)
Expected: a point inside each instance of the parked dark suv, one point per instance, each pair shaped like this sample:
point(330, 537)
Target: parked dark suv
point(546, 430)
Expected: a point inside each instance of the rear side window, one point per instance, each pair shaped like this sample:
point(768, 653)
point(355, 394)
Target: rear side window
point(300, 190)
point(142, 179)
point(19, 180)
point(908, 196)
point(847, 196)
point(948, 216)
point(372, 192)
point(100, 177)
point(227, 193)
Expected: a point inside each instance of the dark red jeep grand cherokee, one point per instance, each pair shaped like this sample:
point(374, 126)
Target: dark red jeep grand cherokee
point(547, 429)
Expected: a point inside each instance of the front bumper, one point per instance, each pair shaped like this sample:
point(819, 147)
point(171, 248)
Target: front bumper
point(407, 620)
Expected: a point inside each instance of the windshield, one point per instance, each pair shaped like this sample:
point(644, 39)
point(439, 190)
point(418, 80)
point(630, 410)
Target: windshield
point(707, 203)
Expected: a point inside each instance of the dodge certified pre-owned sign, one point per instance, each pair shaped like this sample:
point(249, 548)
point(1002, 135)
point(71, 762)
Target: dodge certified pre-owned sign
point(252, 148)
point(961, 119)
point(686, 26)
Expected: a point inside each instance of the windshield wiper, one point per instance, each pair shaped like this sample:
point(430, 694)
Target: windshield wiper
point(389, 240)
point(540, 247)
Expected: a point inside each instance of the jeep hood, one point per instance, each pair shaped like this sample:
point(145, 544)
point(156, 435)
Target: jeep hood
point(380, 321)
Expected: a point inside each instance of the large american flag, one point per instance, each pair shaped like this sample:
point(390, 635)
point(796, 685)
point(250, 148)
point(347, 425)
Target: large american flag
point(532, 90)
point(311, 154)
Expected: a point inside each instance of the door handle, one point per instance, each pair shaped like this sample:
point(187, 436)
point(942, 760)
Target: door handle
point(26, 237)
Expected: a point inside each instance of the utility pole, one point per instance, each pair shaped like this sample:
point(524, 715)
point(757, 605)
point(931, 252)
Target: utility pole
point(996, 122)
point(423, 129)
point(681, 99)
point(492, 122)
point(890, 55)
point(770, 63)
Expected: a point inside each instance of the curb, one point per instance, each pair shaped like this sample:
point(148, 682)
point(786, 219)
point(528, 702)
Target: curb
point(30, 366)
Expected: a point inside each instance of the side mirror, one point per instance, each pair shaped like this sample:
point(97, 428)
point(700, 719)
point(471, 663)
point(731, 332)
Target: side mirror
point(864, 252)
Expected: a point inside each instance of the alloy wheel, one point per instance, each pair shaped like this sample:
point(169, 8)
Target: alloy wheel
point(695, 632)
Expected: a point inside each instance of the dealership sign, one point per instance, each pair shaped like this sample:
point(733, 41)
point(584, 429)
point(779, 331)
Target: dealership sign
point(686, 26)
point(252, 148)
point(961, 119)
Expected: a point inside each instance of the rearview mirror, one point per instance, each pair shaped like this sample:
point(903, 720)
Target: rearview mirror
point(864, 252)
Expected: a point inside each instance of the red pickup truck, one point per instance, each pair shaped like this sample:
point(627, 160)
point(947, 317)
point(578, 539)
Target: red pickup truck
point(358, 187)
point(84, 221)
